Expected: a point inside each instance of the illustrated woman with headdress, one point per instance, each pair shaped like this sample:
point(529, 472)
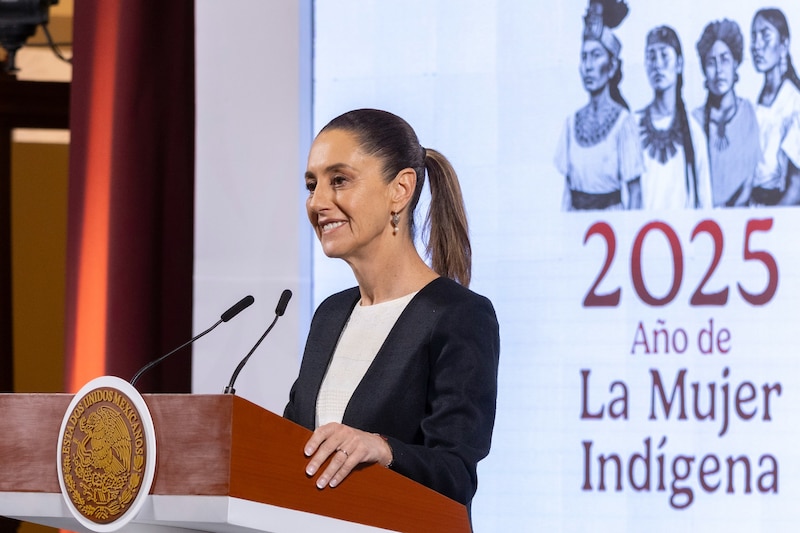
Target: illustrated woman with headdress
point(676, 171)
point(777, 178)
point(598, 151)
point(729, 121)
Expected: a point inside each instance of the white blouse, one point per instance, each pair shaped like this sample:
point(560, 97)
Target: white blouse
point(779, 130)
point(605, 166)
point(664, 184)
point(362, 337)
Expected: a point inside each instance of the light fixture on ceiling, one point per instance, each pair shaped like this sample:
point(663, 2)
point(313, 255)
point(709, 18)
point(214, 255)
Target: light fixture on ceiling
point(18, 21)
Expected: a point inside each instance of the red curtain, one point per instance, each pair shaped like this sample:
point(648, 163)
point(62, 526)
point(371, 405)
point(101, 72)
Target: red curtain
point(131, 196)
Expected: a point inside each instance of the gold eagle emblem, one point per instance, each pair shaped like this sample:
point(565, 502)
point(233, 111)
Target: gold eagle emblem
point(103, 455)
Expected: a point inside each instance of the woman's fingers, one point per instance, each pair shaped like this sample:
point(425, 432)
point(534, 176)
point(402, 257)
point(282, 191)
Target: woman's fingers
point(319, 436)
point(344, 446)
point(320, 446)
point(341, 464)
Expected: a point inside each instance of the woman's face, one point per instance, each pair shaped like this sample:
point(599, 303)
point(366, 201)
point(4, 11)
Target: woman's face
point(719, 67)
point(597, 66)
point(348, 201)
point(663, 66)
point(766, 45)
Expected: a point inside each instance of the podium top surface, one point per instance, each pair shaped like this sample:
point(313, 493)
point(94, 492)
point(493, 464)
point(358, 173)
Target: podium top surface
point(224, 445)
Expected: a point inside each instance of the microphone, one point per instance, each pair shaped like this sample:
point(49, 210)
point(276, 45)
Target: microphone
point(237, 308)
point(286, 295)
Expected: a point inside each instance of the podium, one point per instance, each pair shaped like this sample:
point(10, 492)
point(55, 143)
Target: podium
point(223, 464)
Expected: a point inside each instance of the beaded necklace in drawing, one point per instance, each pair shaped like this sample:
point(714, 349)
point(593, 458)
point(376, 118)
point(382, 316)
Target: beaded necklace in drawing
point(660, 144)
point(593, 127)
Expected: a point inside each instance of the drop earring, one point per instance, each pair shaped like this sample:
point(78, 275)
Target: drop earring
point(395, 222)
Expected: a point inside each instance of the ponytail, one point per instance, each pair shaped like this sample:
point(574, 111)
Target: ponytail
point(448, 245)
point(686, 137)
point(613, 86)
point(707, 117)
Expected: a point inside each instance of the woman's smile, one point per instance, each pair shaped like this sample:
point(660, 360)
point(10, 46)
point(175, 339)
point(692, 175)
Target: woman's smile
point(330, 226)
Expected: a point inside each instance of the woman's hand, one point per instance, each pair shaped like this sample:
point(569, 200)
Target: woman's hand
point(347, 448)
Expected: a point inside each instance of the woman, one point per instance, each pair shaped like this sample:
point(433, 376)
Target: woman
point(676, 171)
point(777, 178)
point(729, 121)
point(401, 370)
point(598, 152)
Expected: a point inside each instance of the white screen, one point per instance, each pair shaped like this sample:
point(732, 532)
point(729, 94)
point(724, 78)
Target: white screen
point(489, 84)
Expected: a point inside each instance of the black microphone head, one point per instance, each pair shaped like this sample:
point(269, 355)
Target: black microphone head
point(237, 308)
point(286, 295)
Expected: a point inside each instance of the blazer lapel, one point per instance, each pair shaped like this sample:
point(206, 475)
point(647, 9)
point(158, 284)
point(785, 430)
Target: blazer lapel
point(401, 344)
point(323, 344)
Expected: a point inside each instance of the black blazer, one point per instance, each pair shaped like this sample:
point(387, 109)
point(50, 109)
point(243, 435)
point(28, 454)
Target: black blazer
point(431, 389)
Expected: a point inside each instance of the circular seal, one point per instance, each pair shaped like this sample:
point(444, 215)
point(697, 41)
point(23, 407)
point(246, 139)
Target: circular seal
point(106, 454)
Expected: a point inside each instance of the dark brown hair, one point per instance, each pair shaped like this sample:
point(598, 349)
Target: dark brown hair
point(386, 136)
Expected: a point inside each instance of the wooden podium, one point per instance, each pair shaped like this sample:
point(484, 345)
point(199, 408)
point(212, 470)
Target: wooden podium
point(223, 464)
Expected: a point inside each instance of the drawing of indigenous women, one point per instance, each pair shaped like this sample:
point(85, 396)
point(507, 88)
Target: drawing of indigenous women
point(777, 178)
point(598, 152)
point(729, 121)
point(676, 171)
